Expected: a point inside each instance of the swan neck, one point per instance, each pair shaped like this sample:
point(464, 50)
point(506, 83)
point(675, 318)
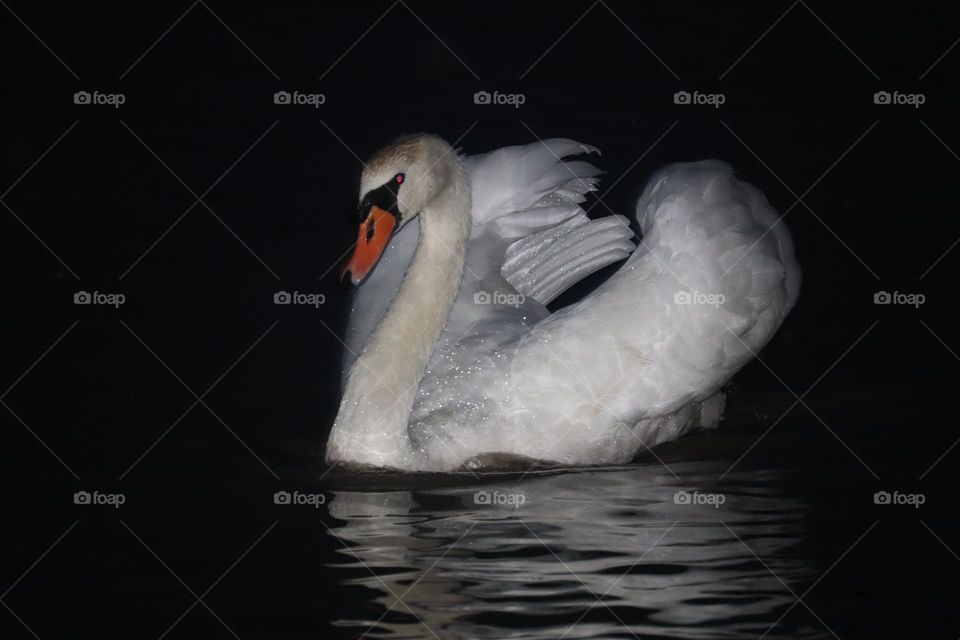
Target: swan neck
point(371, 427)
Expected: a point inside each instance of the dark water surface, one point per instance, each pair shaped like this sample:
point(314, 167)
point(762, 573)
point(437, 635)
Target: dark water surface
point(694, 545)
point(673, 548)
point(586, 554)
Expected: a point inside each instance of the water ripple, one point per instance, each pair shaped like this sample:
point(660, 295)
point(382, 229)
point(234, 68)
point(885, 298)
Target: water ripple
point(627, 552)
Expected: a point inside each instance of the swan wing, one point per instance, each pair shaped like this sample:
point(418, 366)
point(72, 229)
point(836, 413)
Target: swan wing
point(710, 283)
point(526, 202)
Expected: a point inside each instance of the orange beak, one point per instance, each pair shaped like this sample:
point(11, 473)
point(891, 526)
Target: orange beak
point(372, 240)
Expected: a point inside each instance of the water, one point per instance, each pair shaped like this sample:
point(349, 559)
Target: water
point(707, 537)
point(644, 550)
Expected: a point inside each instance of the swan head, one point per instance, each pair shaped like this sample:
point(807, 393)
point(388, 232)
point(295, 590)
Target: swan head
point(397, 184)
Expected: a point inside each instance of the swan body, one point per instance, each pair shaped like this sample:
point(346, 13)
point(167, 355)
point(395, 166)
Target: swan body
point(452, 354)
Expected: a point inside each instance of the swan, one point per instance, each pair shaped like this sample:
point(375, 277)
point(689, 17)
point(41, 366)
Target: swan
point(453, 360)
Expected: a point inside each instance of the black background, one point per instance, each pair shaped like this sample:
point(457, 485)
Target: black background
point(877, 211)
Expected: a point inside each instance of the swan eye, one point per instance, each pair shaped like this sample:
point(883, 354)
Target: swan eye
point(399, 178)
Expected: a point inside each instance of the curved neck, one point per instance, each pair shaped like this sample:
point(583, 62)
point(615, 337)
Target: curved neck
point(371, 426)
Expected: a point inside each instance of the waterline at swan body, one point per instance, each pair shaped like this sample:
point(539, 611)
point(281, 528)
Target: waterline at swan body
point(453, 355)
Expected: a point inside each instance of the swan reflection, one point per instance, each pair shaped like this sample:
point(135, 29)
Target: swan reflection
point(589, 554)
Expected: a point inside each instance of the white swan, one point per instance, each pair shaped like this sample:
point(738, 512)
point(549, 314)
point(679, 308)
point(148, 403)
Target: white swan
point(459, 359)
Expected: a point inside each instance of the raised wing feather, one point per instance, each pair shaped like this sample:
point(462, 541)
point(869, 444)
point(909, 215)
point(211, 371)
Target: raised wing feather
point(527, 198)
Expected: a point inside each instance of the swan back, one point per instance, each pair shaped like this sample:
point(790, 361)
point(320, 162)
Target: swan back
point(710, 283)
